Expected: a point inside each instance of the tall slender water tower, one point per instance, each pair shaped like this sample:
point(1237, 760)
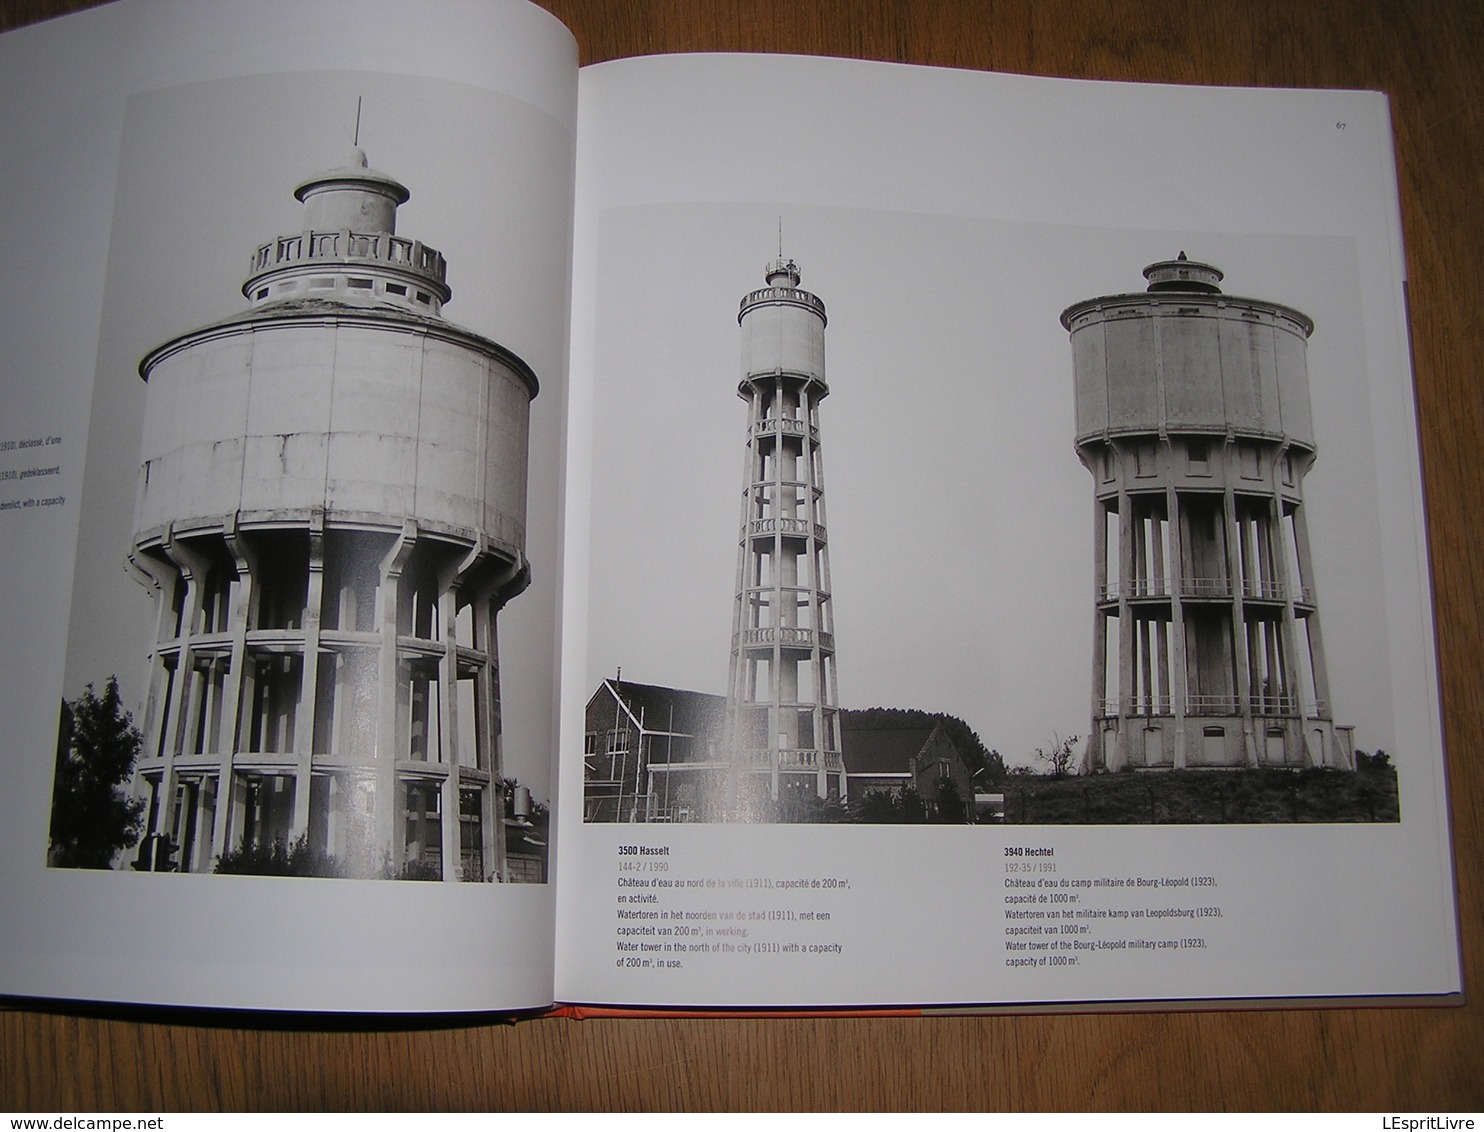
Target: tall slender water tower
point(331, 511)
point(783, 728)
point(1193, 416)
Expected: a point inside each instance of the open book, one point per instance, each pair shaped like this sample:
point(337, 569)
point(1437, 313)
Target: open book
point(422, 591)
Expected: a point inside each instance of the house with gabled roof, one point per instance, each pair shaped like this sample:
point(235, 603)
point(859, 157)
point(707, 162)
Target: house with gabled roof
point(891, 758)
point(652, 753)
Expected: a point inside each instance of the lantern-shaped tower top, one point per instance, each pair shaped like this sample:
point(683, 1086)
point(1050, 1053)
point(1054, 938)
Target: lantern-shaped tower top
point(1181, 274)
point(782, 277)
point(352, 196)
point(783, 273)
point(347, 251)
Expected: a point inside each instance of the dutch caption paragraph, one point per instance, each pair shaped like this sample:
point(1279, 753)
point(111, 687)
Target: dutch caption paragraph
point(669, 917)
point(1060, 917)
point(28, 465)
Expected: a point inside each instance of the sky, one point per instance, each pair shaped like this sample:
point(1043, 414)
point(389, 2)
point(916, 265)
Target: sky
point(960, 519)
point(207, 173)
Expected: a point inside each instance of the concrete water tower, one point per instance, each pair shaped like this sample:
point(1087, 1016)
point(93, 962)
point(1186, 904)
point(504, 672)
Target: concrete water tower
point(783, 728)
point(331, 511)
point(1193, 416)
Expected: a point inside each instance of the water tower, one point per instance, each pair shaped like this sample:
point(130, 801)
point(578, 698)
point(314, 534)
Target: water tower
point(331, 511)
point(1194, 419)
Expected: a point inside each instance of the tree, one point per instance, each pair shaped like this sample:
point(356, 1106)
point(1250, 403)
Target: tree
point(1059, 756)
point(299, 859)
point(993, 779)
point(978, 758)
point(875, 807)
point(949, 803)
point(97, 746)
point(1379, 761)
point(912, 808)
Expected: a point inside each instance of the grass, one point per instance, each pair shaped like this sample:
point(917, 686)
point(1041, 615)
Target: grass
point(1204, 797)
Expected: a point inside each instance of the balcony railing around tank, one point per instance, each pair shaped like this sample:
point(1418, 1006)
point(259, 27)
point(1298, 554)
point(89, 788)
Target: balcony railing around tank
point(783, 295)
point(1211, 705)
point(791, 759)
point(378, 247)
point(1273, 704)
point(1276, 705)
point(1138, 705)
point(788, 426)
point(1136, 589)
point(781, 525)
point(1152, 589)
point(1258, 589)
point(789, 636)
point(1205, 588)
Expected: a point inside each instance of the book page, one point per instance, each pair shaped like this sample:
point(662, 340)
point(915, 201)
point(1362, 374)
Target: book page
point(996, 559)
point(280, 528)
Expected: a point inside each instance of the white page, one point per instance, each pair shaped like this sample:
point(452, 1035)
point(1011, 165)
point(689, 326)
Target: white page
point(946, 219)
point(148, 148)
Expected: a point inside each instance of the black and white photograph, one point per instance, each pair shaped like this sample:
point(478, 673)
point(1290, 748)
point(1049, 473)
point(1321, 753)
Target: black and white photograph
point(313, 618)
point(1091, 496)
point(704, 532)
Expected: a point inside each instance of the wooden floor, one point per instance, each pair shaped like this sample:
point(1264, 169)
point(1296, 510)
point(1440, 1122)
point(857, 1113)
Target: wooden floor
point(1427, 54)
